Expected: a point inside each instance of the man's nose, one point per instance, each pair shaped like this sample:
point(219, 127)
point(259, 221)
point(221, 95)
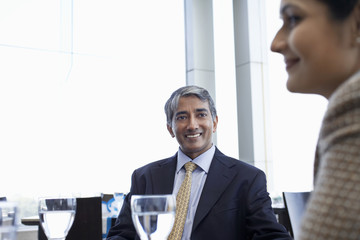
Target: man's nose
point(193, 123)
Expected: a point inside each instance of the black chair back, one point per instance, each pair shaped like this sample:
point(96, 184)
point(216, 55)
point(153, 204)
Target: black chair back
point(87, 223)
point(295, 204)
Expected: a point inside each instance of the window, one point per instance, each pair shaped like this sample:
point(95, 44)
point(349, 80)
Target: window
point(82, 89)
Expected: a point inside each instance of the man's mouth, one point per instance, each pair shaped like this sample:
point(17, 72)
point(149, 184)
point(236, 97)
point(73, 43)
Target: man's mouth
point(193, 135)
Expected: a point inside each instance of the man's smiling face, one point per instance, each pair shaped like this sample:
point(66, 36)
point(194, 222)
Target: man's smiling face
point(193, 126)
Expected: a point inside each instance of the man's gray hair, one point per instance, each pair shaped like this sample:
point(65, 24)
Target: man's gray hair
point(199, 92)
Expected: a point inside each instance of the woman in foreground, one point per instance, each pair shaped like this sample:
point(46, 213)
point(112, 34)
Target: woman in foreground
point(320, 42)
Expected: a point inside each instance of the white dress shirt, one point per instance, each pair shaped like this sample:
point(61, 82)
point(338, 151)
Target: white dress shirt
point(198, 180)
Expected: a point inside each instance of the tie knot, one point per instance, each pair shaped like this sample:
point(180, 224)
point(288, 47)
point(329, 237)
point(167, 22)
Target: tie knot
point(190, 166)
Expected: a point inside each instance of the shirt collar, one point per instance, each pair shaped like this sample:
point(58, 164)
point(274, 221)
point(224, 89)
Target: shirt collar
point(203, 161)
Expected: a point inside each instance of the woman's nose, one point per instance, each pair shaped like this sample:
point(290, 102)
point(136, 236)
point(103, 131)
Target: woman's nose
point(278, 44)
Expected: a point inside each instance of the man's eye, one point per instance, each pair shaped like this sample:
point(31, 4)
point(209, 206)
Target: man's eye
point(180, 117)
point(202, 115)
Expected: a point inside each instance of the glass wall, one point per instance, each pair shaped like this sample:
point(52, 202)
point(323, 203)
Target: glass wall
point(82, 89)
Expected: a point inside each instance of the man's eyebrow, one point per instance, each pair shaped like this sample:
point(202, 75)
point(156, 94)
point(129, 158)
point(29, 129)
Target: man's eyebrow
point(197, 110)
point(202, 110)
point(180, 113)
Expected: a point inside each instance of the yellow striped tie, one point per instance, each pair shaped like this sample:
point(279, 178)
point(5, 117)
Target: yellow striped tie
point(182, 203)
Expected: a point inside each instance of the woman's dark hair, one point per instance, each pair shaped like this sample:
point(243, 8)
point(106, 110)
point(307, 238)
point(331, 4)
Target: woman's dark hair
point(340, 9)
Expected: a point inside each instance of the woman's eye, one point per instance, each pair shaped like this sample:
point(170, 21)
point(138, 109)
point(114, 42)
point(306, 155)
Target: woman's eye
point(292, 20)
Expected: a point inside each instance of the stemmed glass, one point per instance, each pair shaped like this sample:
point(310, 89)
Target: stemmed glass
point(153, 215)
point(57, 216)
point(8, 220)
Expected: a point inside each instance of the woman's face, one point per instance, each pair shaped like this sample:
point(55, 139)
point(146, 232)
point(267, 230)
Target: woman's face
point(320, 53)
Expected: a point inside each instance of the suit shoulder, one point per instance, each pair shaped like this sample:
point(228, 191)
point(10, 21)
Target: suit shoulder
point(341, 119)
point(247, 166)
point(155, 164)
point(345, 99)
point(236, 163)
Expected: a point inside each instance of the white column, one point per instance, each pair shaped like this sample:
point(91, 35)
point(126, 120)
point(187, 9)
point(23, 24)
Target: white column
point(251, 74)
point(200, 44)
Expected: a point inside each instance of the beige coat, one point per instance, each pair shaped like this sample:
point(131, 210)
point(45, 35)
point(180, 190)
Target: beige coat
point(334, 208)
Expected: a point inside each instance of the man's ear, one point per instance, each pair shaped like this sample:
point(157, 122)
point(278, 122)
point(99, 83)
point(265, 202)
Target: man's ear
point(170, 130)
point(215, 122)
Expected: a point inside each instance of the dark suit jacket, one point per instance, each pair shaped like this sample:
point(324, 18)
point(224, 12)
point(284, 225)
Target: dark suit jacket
point(234, 203)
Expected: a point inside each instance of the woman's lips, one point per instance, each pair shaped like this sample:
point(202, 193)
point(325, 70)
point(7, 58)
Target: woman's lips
point(291, 62)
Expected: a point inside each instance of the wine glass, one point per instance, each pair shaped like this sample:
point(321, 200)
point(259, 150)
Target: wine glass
point(57, 216)
point(153, 215)
point(8, 220)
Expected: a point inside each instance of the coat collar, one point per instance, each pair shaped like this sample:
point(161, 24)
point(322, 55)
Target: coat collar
point(163, 176)
point(220, 175)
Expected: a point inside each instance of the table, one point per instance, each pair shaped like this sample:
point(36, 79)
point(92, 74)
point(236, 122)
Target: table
point(30, 221)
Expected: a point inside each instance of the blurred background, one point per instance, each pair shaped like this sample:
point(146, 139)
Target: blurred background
point(82, 89)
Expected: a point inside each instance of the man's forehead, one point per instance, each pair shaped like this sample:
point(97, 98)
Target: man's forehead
point(193, 98)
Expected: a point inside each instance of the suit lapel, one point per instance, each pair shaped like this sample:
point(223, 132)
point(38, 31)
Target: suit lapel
point(219, 176)
point(163, 176)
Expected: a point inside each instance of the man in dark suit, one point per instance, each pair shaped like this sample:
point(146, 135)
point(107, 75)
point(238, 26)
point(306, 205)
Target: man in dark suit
point(228, 199)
